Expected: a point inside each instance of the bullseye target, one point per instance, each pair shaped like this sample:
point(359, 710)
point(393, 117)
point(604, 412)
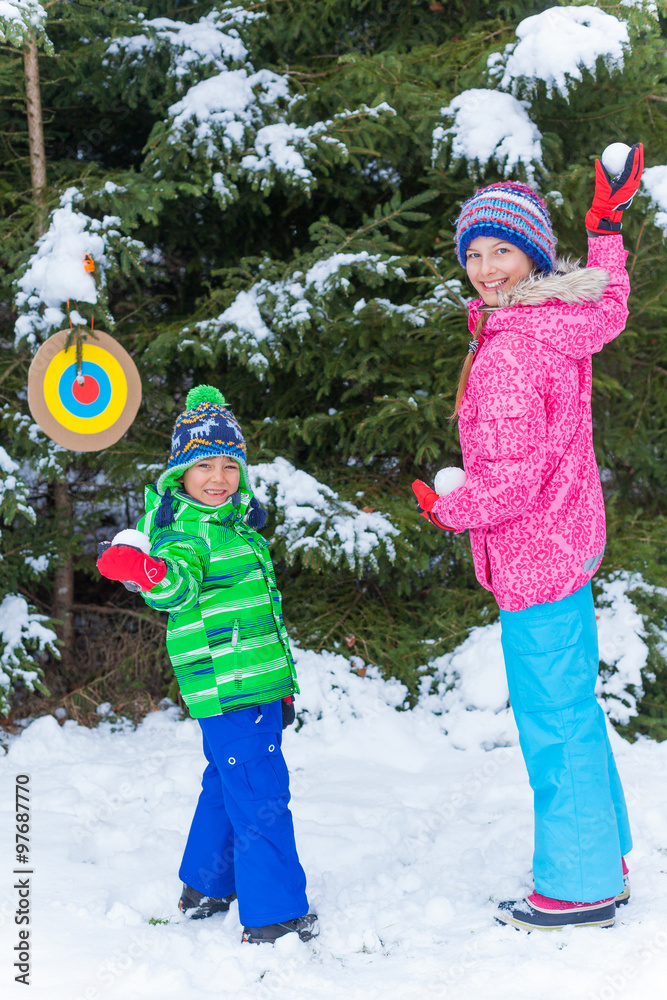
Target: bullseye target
point(84, 410)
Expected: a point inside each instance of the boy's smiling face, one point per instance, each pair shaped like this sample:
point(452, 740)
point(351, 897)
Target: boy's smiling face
point(213, 480)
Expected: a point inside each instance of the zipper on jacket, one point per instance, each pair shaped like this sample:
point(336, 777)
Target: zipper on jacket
point(238, 673)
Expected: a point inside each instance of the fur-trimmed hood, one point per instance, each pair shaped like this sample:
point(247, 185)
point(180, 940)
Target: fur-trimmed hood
point(570, 289)
point(569, 283)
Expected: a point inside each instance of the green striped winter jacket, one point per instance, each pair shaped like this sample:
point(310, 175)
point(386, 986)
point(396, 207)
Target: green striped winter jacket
point(226, 638)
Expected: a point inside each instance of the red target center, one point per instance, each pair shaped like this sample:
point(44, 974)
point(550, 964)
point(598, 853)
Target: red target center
point(88, 392)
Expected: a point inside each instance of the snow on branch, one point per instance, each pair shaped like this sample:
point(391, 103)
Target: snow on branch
point(647, 6)
point(314, 525)
point(231, 122)
point(213, 40)
point(488, 125)
point(19, 19)
point(623, 651)
point(654, 182)
point(56, 274)
point(13, 491)
point(22, 635)
point(556, 45)
point(238, 119)
point(295, 302)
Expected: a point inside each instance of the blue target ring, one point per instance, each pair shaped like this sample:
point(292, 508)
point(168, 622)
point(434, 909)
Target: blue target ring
point(66, 390)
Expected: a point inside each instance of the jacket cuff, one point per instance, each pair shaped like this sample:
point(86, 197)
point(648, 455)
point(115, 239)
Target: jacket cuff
point(441, 511)
point(604, 251)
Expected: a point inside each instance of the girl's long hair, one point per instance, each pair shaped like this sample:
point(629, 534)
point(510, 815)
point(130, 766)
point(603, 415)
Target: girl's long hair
point(467, 365)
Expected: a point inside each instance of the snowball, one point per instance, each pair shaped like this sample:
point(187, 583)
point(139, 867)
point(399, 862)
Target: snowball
point(448, 479)
point(129, 536)
point(614, 158)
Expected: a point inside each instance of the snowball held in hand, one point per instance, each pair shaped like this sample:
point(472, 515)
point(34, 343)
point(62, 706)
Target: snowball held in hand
point(448, 479)
point(614, 158)
point(137, 539)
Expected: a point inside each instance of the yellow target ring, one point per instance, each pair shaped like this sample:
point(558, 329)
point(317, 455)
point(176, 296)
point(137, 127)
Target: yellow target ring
point(88, 414)
point(85, 425)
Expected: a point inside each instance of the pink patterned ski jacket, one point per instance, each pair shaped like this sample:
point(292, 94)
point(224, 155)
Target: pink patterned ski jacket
point(532, 498)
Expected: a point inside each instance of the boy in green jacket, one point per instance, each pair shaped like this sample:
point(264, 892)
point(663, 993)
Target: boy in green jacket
point(195, 557)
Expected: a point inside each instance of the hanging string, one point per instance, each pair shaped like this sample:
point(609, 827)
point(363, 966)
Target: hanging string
point(79, 360)
point(78, 337)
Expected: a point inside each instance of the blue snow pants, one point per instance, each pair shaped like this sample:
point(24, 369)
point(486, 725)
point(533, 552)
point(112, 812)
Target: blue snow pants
point(581, 821)
point(242, 836)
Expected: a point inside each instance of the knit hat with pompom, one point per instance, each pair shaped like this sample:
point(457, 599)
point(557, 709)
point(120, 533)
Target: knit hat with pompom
point(207, 427)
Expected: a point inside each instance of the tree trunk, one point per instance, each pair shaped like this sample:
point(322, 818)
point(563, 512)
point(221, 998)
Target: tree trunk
point(64, 577)
point(35, 130)
point(64, 574)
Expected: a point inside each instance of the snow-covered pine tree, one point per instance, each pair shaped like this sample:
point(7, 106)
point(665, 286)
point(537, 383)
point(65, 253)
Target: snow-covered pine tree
point(25, 635)
point(292, 171)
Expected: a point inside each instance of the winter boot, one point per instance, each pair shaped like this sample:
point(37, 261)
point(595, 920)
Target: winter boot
point(197, 906)
point(542, 913)
point(306, 927)
point(624, 897)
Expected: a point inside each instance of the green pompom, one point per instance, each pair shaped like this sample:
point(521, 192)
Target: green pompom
point(204, 394)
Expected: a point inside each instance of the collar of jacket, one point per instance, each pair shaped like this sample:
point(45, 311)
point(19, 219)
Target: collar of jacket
point(186, 507)
point(568, 283)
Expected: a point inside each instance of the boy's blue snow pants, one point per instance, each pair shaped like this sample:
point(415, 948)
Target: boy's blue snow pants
point(242, 837)
point(581, 821)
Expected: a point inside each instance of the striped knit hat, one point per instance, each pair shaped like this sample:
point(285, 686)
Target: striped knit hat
point(207, 427)
point(510, 211)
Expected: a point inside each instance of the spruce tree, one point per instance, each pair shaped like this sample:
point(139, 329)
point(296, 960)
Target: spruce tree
point(274, 185)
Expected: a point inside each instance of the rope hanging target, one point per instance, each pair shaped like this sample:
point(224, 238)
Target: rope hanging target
point(85, 399)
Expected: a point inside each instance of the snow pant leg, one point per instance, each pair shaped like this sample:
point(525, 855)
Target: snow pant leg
point(584, 598)
point(246, 748)
point(208, 859)
point(551, 658)
point(617, 795)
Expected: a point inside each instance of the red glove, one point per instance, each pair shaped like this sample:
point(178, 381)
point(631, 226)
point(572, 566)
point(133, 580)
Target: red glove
point(126, 563)
point(614, 194)
point(426, 497)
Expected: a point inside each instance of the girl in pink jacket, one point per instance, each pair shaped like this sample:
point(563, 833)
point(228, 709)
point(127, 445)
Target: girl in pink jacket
point(533, 505)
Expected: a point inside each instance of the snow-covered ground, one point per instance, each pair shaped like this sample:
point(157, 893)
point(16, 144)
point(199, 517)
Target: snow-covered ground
point(408, 829)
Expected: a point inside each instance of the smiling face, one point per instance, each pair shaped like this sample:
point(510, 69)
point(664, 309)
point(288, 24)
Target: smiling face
point(495, 265)
point(213, 480)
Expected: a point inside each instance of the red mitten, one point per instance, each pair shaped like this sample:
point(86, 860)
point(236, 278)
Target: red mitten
point(614, 194)
point(426, 497)
point(127, 563)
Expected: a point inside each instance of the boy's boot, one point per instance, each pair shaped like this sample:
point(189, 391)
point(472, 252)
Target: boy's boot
point(542, 913)
point(197, 905)
point(306, 927)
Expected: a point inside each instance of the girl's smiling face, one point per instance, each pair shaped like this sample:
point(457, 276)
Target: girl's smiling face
point(213, 480)
point(495, 265)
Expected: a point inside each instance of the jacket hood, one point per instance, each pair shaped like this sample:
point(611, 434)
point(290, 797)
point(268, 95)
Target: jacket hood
point(570, 285)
